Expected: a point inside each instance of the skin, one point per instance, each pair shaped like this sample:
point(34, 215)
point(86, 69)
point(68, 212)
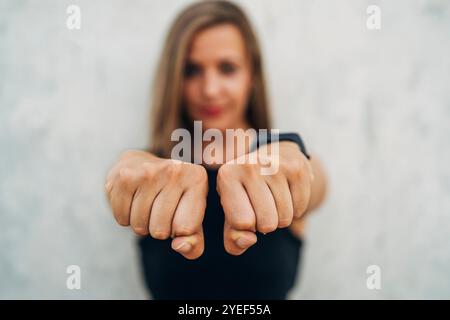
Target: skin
point(218, 78)
point(164, 198)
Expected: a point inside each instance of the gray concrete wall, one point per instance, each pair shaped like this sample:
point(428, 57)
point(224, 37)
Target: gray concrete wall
point(374, 104)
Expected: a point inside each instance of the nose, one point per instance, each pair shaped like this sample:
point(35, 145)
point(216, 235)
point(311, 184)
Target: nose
point(211, 84)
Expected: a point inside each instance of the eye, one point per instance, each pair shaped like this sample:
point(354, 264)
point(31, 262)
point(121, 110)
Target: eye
point(191, 70)
point(227, 68)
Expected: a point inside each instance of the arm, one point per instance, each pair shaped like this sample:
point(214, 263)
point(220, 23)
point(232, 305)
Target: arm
point(318, 194)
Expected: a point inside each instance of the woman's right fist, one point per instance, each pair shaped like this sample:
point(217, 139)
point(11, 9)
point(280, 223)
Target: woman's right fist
point(161, 197)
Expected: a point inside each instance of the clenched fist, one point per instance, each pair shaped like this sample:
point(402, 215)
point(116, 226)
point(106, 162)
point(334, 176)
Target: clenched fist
point(255, 202)
point(167, 198)
point(160, 197)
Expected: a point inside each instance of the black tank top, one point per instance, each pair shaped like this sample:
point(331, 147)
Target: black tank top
point(267, 270)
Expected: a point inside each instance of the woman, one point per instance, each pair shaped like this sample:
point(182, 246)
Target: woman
point(215, 229)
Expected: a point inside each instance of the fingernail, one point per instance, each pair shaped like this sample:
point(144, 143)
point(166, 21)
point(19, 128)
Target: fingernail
point(184, 247)
point(243, 243)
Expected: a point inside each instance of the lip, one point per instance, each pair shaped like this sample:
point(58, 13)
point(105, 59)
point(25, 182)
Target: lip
point(212, 110)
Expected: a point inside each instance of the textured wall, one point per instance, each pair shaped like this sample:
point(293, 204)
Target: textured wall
point(375, 105)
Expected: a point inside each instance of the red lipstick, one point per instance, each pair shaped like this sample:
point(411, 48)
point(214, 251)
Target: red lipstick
point(212, 111)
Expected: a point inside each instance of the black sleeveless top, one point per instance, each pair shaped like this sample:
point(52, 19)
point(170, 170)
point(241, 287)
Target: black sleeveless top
point(267, 270)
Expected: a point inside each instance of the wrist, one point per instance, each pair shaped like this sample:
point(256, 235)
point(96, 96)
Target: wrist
point(280, 137)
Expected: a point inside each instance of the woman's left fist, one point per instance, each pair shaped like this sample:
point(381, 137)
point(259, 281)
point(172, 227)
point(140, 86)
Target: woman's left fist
point(253, 201)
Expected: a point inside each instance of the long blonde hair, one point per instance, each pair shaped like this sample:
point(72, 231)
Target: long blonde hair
point(168, 112)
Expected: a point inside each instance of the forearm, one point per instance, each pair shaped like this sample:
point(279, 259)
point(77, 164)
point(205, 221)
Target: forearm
point(318, 186)
point(318, 194)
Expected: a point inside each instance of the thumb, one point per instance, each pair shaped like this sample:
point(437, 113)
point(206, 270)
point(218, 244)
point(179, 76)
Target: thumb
point(235, 241)
point(191, 247)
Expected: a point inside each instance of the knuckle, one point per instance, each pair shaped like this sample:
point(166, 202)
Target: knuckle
point(300, 208)
point(284, 222)
point(223, 173)
point(195, 175)
point(293, 166)
point(250, 170)
point(148, 171)
point(267, 227)
point(122, 219)
point(159, 234)
point(174, 170)
point(185, 230)
point(139, 225)
point(140, 230)
point(125, 176)
point(243, 224)
point(201, 175)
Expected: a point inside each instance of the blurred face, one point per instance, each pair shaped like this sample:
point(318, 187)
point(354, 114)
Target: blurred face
point(217, 78)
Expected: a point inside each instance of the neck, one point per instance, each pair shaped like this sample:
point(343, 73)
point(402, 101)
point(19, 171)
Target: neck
point(231, 145)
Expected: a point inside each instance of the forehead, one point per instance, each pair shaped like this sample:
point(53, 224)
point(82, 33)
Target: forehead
point(223, 41)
